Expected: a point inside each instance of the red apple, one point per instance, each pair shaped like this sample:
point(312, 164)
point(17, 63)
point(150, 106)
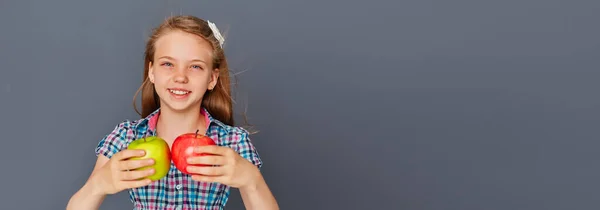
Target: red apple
point(183, 148)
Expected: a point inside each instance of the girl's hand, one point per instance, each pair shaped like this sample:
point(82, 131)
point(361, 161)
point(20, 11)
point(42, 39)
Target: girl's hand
point(118, 173)
point(229, 167)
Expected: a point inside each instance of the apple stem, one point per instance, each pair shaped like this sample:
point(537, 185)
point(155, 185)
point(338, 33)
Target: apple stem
point(197, 130)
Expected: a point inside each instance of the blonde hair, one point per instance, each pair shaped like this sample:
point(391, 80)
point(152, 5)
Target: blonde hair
point(218, 102)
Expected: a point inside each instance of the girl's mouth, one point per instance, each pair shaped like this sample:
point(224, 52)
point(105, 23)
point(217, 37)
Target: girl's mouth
point(178, 92)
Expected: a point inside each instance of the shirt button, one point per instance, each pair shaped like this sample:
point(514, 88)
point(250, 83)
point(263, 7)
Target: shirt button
point(178, 187)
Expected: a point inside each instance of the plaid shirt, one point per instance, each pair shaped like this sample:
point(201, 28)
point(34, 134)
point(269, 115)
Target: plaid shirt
point(177, 190)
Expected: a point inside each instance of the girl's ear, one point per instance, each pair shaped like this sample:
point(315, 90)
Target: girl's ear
point(151, 72)
point(214, 77)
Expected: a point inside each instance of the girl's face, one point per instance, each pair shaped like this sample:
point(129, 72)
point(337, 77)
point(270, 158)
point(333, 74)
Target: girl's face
point(182, 70)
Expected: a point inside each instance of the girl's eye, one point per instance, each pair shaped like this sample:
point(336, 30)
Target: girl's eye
point(167, 64)
point(196, 67)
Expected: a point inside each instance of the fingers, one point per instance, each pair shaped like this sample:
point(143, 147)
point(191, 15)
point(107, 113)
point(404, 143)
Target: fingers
point(134, 164)
point(128, 153)
point(211, 149)
point(207, 160)
point(206, 170)
point(136, 175)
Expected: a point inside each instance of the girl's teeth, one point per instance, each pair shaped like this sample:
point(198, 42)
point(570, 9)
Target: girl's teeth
point(179, 92)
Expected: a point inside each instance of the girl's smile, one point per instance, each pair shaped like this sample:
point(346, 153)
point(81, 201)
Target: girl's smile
point(179, 93)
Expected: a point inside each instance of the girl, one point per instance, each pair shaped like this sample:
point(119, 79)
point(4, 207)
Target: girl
point(186, 88)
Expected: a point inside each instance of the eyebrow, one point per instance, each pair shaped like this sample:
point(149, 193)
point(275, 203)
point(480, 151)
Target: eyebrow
point(170, 58)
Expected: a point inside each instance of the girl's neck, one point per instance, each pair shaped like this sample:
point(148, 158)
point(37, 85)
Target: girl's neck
point(171, 123)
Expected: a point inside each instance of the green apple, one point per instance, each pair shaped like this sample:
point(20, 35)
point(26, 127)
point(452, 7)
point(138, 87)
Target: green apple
point(157, 149)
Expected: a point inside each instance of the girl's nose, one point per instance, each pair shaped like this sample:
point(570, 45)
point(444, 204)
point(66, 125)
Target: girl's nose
point(181, 77)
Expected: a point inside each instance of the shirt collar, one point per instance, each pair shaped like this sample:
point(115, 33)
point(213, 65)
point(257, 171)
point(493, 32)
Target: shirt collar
point(150, 121)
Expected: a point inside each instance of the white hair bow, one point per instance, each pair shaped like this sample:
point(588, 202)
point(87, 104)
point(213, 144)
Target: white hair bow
point(216, 32)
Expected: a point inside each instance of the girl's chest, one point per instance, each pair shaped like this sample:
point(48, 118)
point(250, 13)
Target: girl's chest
point(178, 188)
point(176, 184)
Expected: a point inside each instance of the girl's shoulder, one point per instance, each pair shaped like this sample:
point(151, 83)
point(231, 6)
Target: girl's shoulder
point(228, 129)
point(226, 134)
point(218, 127)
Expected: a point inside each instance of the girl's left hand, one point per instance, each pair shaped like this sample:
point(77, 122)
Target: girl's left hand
point(230, 168)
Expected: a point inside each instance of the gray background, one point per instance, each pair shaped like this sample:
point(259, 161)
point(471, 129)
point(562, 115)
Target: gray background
point(417, 104)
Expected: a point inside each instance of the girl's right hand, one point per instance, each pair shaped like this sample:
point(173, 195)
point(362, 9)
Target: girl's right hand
point(119, 172)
